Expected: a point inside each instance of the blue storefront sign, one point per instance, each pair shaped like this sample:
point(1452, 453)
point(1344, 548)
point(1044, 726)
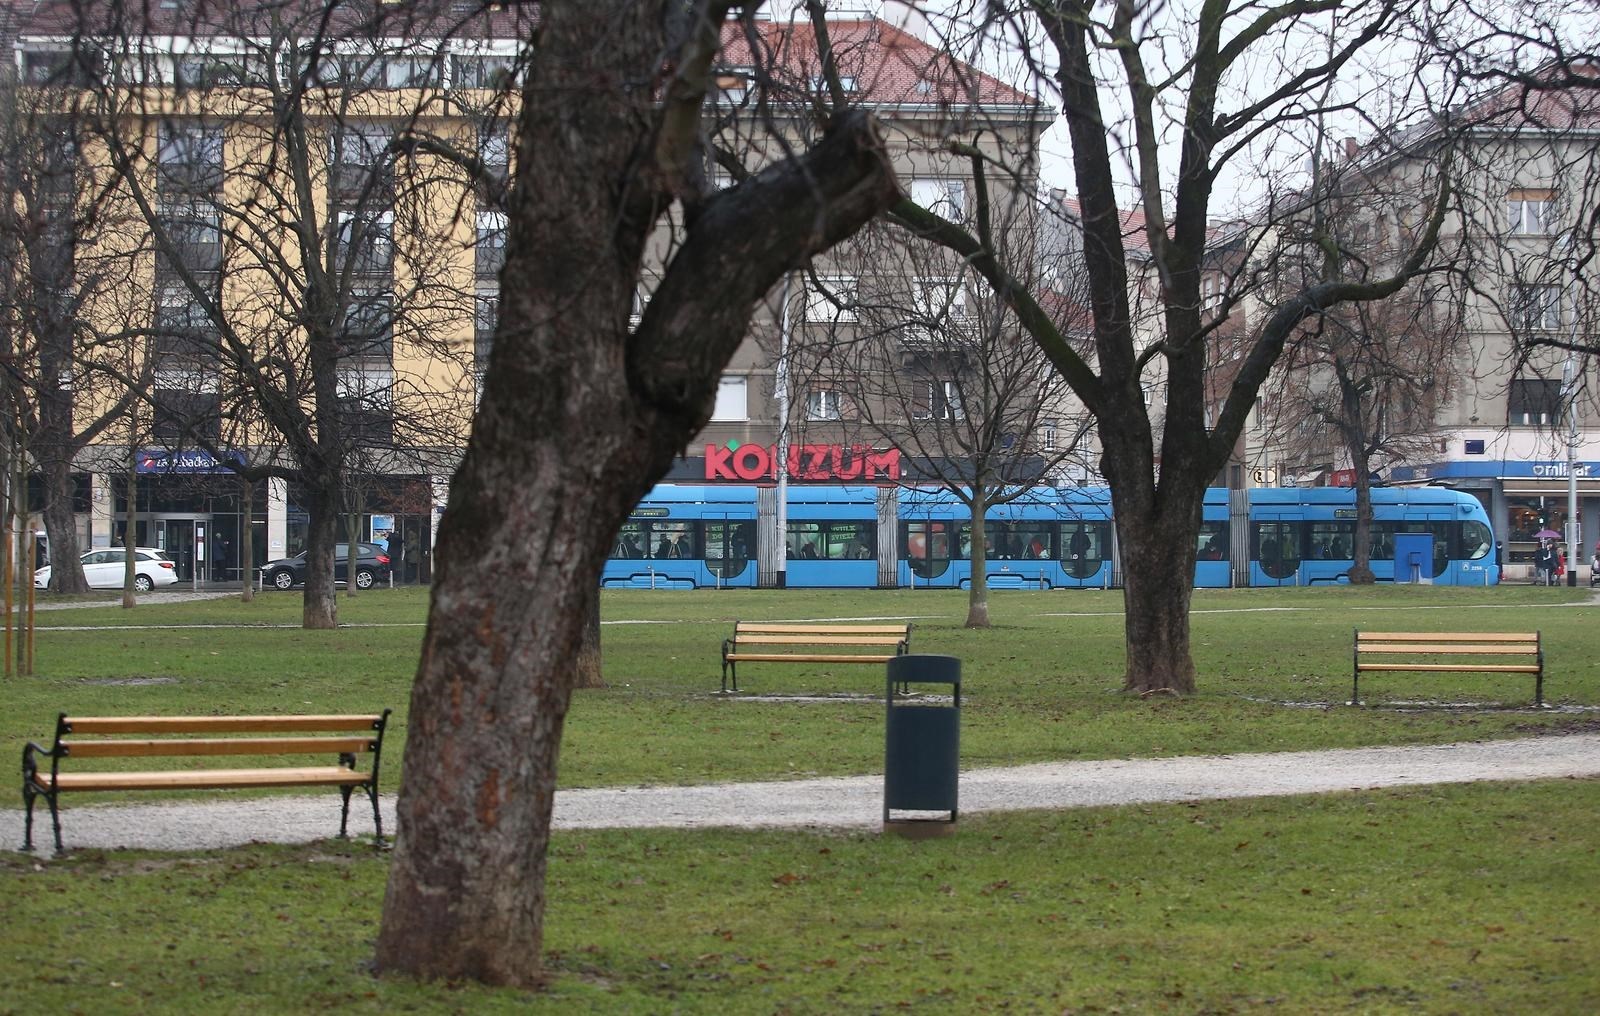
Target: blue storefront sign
point(160, 460)
point(1496, 468)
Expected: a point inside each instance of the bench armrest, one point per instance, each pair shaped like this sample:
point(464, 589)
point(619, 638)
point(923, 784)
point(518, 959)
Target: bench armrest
point(30, 765)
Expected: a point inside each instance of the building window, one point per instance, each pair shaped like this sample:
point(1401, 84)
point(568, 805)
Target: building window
point(480, 71)
point(943, 196)
point(186, 337)
point(188, 160)
point(939, 300)
point(410, 72)
point(490, 252)
point(732, 403)
point(183, 411)
point(1529, 212)
point(368, 330)
point(494, 151)
point(936, 400)
point(1533, 402)
point(366, 408)
point(831, 298)
point(366, 242)
point(359, 166)
point(1536, 308)
point(485, 315)
point(823, 405)
point(195, 232)
point(1048, 434)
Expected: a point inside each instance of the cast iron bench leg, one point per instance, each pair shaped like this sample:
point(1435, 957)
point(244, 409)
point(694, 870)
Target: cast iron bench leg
point(344, 812)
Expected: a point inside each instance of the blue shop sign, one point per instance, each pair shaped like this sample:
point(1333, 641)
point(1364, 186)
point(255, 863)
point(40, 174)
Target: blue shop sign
point(160, 460)
point(1537, 469)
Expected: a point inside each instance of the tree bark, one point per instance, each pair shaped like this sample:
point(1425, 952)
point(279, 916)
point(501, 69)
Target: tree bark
point(579, 417)
point(978, 595)
point(320, 609)
point(247, 542)
point(66, 570)
point(586, 674)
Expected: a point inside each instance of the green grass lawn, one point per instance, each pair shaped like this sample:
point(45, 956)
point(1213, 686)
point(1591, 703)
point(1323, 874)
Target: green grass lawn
point(1458, 899)
point(1449, 899)
point(1042, 684)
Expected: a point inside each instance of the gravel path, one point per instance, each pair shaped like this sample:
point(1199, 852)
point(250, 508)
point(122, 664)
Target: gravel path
point(852, 802)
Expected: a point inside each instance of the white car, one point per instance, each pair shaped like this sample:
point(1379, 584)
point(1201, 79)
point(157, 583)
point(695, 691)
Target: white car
point(106, 569)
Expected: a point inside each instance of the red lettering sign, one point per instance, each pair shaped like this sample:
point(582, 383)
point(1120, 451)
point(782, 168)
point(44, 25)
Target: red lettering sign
point(809, 463)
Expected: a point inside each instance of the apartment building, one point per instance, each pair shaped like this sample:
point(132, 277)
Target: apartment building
point(1510, 412)
point(289, 228)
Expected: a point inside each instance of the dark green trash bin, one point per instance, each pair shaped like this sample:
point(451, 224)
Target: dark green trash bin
point(922, 745)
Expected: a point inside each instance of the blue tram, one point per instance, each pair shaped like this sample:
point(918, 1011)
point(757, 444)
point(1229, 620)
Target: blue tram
point(688, 536)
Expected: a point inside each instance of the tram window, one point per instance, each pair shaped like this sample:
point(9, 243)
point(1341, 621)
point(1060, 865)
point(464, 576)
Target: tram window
point(1475, 541)
point(672, 540)
point(1331, 540)
point(847, 541)
point(1213, 542)
point(928, 540)
point(1277, 546)
point(631, 542)
point(1380, 542)
point(728, 546)
point(1083, 541)
point(1032, 541)
point(805, 540)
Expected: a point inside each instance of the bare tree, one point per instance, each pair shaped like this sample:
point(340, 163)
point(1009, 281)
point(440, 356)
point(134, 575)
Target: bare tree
point(1158, 471)
point(934, 364)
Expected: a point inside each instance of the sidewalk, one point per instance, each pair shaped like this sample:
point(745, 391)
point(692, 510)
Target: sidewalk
point(847, 802)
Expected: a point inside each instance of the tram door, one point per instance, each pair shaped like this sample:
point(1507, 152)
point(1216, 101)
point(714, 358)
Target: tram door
point(176, 537)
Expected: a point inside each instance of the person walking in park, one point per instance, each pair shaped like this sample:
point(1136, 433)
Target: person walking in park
point(397, 554)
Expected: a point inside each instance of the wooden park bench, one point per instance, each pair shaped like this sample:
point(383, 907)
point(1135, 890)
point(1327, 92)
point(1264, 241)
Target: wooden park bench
point(195, 739)
point(1510, 652)
point(764, 642)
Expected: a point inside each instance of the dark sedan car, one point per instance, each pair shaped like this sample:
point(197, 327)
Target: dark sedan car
point(372, 566)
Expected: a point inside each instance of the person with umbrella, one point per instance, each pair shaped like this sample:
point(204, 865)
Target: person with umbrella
point(1544, 559)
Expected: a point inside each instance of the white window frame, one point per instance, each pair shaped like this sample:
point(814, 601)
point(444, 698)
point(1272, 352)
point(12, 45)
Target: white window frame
point(824, 404)
point(945, 196)
point(733, 400)
point(1537, 307)
point(1530, 212)
point(820, 308)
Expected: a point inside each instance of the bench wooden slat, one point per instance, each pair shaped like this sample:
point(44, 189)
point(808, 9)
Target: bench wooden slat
point(1450, 636)
point(805, 658)
point(1448, 649)
point(320, 776)
point(820, 629)
point(220, 746)
point(819, 640)
point(205, 724)
point(1466, 668)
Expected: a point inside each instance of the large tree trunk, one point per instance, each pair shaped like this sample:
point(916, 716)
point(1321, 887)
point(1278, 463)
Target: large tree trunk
point(578, 418)
point(978, 595)
point(66, 571)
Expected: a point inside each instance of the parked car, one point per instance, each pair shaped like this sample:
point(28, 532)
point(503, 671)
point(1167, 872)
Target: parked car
point(107, 569)
point(372, 566)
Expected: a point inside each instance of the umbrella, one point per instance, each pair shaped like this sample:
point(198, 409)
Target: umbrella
point(1547, 534)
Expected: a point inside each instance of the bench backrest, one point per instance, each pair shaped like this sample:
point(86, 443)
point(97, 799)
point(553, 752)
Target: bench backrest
point(1446, 643)
point(91, 736)
point(742, 628)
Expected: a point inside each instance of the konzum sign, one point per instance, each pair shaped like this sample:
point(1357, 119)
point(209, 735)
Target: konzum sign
point(754, 463)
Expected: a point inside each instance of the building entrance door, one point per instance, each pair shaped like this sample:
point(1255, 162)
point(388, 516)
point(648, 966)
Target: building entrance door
point(176, 537)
